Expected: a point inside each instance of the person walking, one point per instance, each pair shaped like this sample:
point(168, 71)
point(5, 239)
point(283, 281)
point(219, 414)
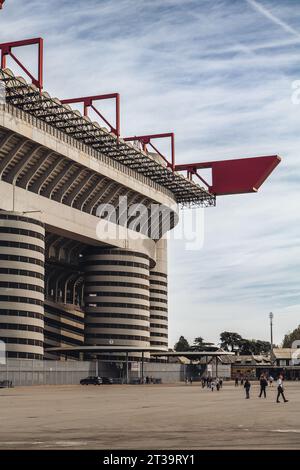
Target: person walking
point(271, 380)
point(218, 383)
point(236, 382)
point(280, 389)
point(212, 385)
point(263, 385)
point(247, 386)
point(221, 383)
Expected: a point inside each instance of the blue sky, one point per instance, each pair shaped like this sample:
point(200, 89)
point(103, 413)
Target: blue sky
point(219, 74)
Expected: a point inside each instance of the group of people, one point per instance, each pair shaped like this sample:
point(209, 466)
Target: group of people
point(212, 383)
point(264, 382)
point(209, 382)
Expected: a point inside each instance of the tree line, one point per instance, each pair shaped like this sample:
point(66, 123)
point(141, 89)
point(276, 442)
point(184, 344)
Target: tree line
point(230, 341)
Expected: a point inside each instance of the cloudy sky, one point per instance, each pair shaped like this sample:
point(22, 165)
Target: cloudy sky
point(220, 75)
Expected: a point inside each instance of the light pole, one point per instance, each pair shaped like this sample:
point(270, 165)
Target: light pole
point(271, 316)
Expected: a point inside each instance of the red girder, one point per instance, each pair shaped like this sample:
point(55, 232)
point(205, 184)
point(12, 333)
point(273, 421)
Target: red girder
point(243, 175)
point(146, 140)
point(88, 103)
point(6, 49)
point(228, 176)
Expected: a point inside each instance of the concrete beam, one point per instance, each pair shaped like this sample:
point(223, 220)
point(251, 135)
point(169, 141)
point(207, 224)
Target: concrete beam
point(71, 223)
point(24, 181)
point(13, 174)
point(10, 155)
point(36, 187)
point(47, 192)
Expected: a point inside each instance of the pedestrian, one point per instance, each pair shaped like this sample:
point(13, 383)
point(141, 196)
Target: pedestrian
point(147, 379)
point(280, 389)
point(271, 380)
point(247, 386)
point(263, 385)
point(203, 382)
point(186, 380)
point(191, 380)
point(212, 385)
point(221, 383)
point(242, 381)
point(218, 383)
point(236, 382)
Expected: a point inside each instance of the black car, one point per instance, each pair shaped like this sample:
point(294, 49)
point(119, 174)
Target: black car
point(91, 381)
point(107, 380)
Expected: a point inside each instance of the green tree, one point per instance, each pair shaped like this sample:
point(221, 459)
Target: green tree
point(252, 346)
point(263, 347)
point(182, 345)
point(200, 345)
point(230, 340)
point(291, 337)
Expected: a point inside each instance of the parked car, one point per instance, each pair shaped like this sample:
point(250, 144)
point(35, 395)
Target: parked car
point(6, 384)
point(92, 380)
point(107, 380)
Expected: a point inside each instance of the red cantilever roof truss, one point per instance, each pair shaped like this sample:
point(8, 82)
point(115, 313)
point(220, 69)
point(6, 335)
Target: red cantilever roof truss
point(228, 176)
point(243, 175)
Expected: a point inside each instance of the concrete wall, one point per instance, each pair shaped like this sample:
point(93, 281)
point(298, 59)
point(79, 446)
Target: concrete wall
point(34, 372)
point(224, 371)
point(168, 373)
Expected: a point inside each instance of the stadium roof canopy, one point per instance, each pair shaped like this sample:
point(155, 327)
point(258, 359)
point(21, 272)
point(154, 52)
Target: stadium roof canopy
point(62, 117)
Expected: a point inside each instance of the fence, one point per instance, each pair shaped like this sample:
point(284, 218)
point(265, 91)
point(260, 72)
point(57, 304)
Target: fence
point(33, 372)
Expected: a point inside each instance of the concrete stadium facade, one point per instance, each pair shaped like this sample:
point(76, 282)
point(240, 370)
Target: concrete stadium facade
point(61, 284)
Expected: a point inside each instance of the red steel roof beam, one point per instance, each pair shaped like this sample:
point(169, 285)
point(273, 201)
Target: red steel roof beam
point(6, 49)
point(243, 175)
point(88, 103)
point(146, 140)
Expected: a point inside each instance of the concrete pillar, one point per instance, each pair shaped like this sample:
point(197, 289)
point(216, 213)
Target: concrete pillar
point(22, 258)
point(159, 298)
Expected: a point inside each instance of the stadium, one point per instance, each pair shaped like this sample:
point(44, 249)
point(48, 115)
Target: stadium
point(79, 273)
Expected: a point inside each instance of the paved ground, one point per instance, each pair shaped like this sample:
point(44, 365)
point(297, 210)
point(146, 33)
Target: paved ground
point(147, 417)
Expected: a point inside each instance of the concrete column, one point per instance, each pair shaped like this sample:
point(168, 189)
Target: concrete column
point(159, 298)
point(22, 258)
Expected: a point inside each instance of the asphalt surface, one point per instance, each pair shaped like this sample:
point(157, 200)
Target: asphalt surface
point(175, 416)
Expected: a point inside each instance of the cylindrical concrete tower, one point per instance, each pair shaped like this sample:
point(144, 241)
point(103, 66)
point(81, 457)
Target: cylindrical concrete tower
point(22, 285)
point(159, 298)
point(117, 298)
